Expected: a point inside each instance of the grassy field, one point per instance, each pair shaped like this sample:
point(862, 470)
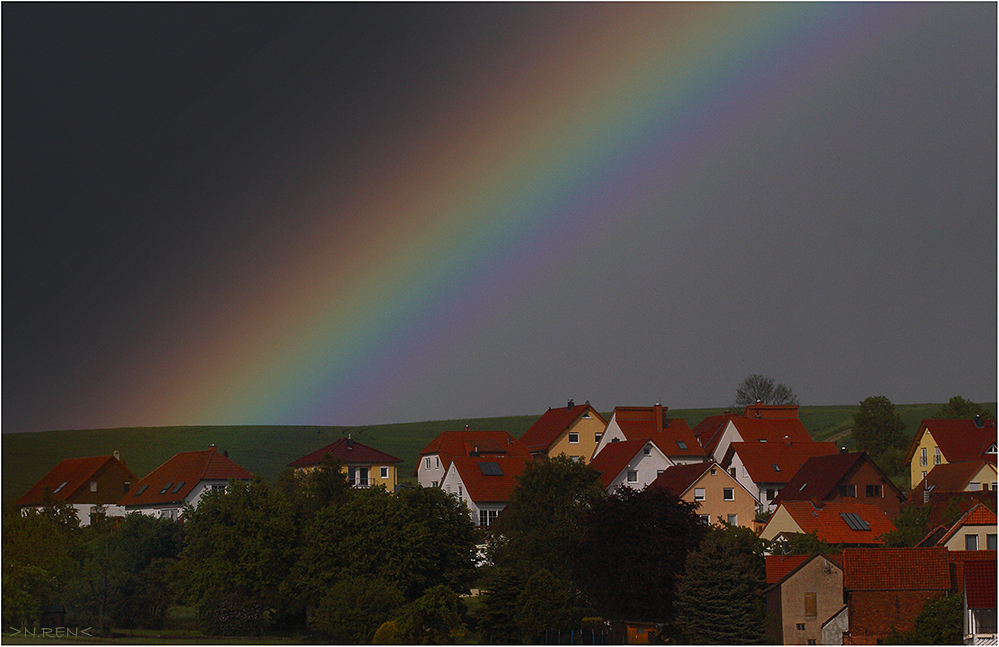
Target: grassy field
point(266, 450)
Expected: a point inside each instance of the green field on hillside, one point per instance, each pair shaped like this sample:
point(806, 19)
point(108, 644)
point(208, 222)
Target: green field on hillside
point(266, 450)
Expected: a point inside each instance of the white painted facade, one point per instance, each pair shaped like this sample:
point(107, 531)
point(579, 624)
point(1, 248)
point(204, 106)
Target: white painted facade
point(643, 468)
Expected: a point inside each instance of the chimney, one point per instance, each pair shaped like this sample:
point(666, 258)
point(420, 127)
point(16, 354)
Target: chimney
point(978, 421)
point(659, 416)
point(116, 455)
point(225, 453)
point(570, 405)
point(466, 427)
point(787, 441)
point(842, 450)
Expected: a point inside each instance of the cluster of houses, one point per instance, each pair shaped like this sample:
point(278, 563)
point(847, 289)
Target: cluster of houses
point(758, 469)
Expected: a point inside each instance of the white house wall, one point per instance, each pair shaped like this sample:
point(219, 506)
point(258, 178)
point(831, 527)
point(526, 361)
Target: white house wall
point(648, 468)
point(428, 476)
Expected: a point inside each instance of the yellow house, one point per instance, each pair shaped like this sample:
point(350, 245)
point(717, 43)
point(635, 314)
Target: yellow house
point(573, 430)
point(717, 493)
point(364, 466)
point(939, 442)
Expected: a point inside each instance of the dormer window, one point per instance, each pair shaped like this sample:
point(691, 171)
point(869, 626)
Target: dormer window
point(991, 449)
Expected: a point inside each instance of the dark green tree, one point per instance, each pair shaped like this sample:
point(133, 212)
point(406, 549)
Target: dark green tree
point(957, 408)
point(910, 527)
point(719, 594)
point(543, 604)
point(941, 622)
point(543, 521)
point(435, 618)
point(633, 551)
point(352, 610)
point(499, 622)
point(760, 388)
point(877, 427)
point(309, 492)
point(802, 543)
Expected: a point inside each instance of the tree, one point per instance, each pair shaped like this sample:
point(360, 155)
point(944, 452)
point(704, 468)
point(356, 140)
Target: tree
point(435, 618)
point(941, 622)
point(543, 521)
point(801, 543)
point(542, 605)
point(760, 388)
point(354, 609)
point(957, 408)
point(910, 527)
point(633, 551)
point(499, 622)
point(719, 594)
point(309, 492)
point(877, 427)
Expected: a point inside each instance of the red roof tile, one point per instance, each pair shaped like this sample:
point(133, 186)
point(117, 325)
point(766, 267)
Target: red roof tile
point(708, 431)
point(895, 569)
point(771, 411)
point(66, 478)
point(675, 439)
point(552, 424)
point(978, 515)
point(449, 444)
point(483, 487)
point(172, 481)
point(679, 478)
point(980, 584)
point(820, 476)
point(949, 477)
point(613, 458)
point(959, 440)
point(832, 527)
point(943, 505)
point(958, 558)
point(780, 566)
point(760, 458)
point(347, 451)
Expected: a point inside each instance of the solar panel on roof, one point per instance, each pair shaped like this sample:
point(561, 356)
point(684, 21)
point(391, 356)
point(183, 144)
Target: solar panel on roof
point(853, 520)
point(490, 468)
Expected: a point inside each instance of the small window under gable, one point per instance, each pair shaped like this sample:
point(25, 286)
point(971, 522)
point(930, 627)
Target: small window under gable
point(647, 450)
point(991, 449)
point(586, 415)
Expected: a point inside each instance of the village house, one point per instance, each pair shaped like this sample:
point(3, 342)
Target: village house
point(803, 593)
point(92, 486)
point(980, 603)
point(718, 495)
point(845, 523)
point(963, 476)
point(573, 430)
point(938, 442)
point(759, 424)
point(764, 468)
point(182, 481)
point(673, 436)
point(436, 457)
point(632, 463)
point(843, 476)
point(975, 530)
point(484, 482)
point(364, 466)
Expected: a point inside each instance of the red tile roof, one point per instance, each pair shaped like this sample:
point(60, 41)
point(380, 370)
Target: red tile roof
point(489, 488)
point(613, 458)
point(978, 515)
point(958, 559)
point(675, 439)
point(959, 440)
point(678, 478)
point(780, 566)
point(895, 569)
point(68, 477)
point(760, 458)
point(449, 444)
point(552, 424)
point(943, 505)
point(831, 527)
point(771, 411)
point(980, 584)
point(347, 451)
point(820, 476)
point(172, 481)
point(948, 477)
point(708, 431)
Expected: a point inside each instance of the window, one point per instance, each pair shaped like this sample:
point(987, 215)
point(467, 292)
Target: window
point(384, 472)
point(733, 520)
point(647, 450)
point(994, 485)
point(936, 455)
point(703, 518)
point(731, 471)
point(459, 491)
point(127, 485)
point(93, 486)
point(854, 521)
point(597, 436)
point(922, 458)
point(487, 517)
point(698, 494)
point(811, 641)
point(811, 608)
point(434, 484)
point(632, 476)
point(728, 494)
point(714, 471)
point(428, 462)
point(801, 626)
point(848, 489)
point(177, 487)
point(587, 416)
point(490, 468)
point(775, 466)
point(990, 542)
point(771, 493)
point(874, 490)
point(438, 461)
point(681, 444)
point(971, 542)
point(573, 437)
point(217, 487)
point(974, 486)
point(64, 484)
point(166, 487)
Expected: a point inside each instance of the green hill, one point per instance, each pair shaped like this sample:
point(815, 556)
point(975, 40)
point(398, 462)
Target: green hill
point(266, 450)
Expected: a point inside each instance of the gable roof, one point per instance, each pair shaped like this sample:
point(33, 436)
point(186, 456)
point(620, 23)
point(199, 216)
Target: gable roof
point(896, 569)
point(613, 458)
point(943, 505)
point(978, 515)
point(679, 478)
point(771, 411)
point(949, 477)
point(980, 584)
point(958, 440)
point(674, 439)
point(489, 479)
point(780, 567)
point(68, 477)
point(553, 423)
point(831, 522)
point(708, 431)
point(759, 458)
point(172, 481)
point(449, 444)
point(346, 450)
point(958, 560)
point(820, 475)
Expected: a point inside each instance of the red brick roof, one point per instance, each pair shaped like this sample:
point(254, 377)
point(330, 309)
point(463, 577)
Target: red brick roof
point(675, 438)
point(780, 566)
point(489, 488)
point(449, 444)
point(760, 458)
point(948, 477)
point(553, 423)
point(831, 527)
point(347, 451)
point(708, 431)
point(754, 430)
point(68, 477)
point(978, 515)
point(980, 584)
point(614, 457)
point(958, 559)
point(771, 411)
point(895, 569)
point(820, 476)
point(959, 440)
point(678, 478)
point(172, 481)
point(945, 504)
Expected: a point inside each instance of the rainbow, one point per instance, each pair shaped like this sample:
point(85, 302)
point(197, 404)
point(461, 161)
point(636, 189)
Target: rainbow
point(393, 273)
